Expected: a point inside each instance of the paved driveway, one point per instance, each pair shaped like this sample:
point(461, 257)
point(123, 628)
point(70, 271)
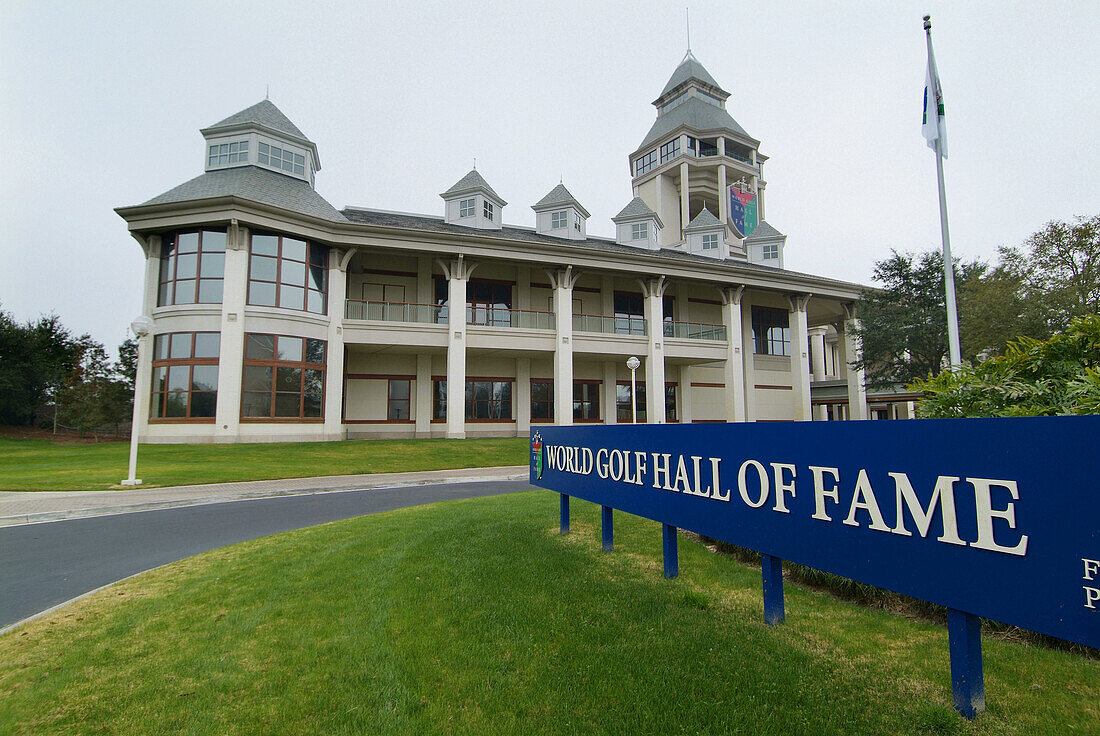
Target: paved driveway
point(43, 565)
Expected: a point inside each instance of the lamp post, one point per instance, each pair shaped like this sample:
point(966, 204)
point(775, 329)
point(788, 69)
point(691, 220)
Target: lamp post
point(141, 327)
point(632, 363)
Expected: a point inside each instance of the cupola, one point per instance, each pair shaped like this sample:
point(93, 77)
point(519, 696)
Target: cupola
point(765, 245)
point(705, 236)
point(262, 136)
point(560, 214)
point(471, 202)
point(638, 225)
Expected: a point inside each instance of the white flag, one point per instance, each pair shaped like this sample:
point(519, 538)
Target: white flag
point(933, 124)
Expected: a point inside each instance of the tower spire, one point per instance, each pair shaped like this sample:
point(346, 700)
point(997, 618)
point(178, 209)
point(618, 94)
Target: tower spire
point(687, 20)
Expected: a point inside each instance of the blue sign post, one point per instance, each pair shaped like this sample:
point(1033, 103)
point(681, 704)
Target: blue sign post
point(988, 517)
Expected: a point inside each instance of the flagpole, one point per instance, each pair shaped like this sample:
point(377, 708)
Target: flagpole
point(948, 264)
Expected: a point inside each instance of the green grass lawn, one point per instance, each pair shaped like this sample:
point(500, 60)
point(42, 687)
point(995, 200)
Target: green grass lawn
point(39, 465)
point(476, 617)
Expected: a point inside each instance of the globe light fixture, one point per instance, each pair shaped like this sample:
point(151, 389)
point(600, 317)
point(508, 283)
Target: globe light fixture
point(632, 363)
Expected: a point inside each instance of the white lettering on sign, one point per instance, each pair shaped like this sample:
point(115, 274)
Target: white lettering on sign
point(943, 494)
point(695, 475)
point(1092, 594)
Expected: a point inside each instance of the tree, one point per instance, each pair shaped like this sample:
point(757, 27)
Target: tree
point(35, 359)
point(904, 325)
point(1033, 378)
point(1063, 275)
point(94, 394)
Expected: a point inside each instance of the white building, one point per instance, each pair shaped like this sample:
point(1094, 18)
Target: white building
point(278, 317)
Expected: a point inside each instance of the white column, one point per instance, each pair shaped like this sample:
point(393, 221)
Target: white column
point(334, 353)
point(800, 358)
point(857, 391)
point(141, 402)
point(521, 397)
point(817, 352)
point(610, 381)
point(723, 195)
point(562, 282)
point(685, 190)
point(748, 360)
point(423, 416)
point(685, 395)
point(736, 390)
point(231, 357)
point(653, 291)
point(458, 273)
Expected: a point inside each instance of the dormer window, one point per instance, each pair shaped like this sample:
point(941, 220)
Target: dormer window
point(771, 252)
point(559, 220)
point(282, 160)
point(710, 241)
point(223, 154)
point(577, 224)
point(639, 231)
point(488, 210)
point(466, 207)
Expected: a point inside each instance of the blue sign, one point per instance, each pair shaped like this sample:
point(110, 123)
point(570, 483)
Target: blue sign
point(997, 518)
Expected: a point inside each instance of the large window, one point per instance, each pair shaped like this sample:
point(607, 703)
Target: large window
point(771, 331)
point(223, 154)
point(623, 414)
point(185, 376)
point(284, 378)
point(542, 401)
point(487, 399)
point(282, 159)
point(489, 303)
point(287, 272)
point(646, 162)
point(586, 401)
point(622, 403)
point(630, 312)
point(398, 399)
point(192, 265)
point(670, 150)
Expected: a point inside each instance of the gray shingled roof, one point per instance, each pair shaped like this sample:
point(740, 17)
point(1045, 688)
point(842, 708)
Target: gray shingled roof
point(263, 113)
point(260, 185)
point(637, 208)
point(696, 115)
point(704, 219)
point(559, 195)
point(472, 181)
point(423, 223)
point(689, 68)
point(764, 230)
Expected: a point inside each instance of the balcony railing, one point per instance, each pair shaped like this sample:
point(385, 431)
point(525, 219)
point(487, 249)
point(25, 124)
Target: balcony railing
point(622, 324)
point(395, 311)
point(695, 330)
point(481, 314)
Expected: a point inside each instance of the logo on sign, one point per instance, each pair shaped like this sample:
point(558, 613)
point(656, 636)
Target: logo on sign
point(536, 455)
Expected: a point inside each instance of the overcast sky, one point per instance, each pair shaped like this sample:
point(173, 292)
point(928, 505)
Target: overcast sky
point(101, 104)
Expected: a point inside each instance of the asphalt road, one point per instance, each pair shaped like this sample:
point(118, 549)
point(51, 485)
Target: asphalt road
point(42, 565)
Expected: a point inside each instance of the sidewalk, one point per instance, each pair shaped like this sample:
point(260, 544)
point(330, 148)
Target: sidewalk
point(32, 507)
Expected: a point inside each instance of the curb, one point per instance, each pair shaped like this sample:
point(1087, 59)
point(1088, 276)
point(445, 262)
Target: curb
point(86, 513)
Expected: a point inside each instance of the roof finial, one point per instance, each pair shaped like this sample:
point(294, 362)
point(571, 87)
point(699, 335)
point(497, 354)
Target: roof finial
point(475, 163)
point(267, 91)
point(687, 19)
